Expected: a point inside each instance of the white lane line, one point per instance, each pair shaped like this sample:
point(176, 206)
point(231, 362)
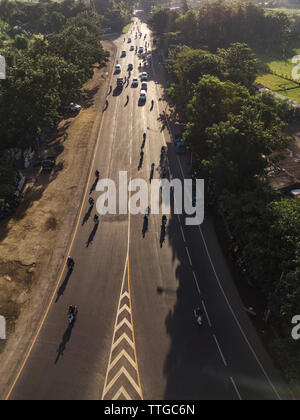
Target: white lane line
point(223, 358)
point(196, 281)
point(236, 389)
point(237, 321)
point(188, 254)
point(206, 313)
point(178, 218)
point(182, 233)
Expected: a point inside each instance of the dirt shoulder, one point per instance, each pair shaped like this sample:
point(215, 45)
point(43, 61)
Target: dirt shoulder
point(35, 241)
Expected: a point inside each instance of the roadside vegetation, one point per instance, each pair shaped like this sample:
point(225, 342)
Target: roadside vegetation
point(237, 136)
point(50, 50)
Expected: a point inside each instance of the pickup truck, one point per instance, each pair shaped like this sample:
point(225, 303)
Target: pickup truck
point(120, 82)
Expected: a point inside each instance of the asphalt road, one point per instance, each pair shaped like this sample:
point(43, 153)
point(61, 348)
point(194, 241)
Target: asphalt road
point(135, 335)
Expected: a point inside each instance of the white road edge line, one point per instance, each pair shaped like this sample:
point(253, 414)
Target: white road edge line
point(196, 281)
point(182, 233)
point(188, 254)
point(206, 313)
point(237, 321)
point(223, 358)
point(236, 389)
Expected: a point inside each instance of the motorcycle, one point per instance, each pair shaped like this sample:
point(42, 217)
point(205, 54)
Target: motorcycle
point(198, 316)
point(96, 220)
point(72, 315)
point(70, 264)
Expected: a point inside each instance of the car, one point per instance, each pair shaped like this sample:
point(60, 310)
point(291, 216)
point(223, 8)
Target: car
point(130, 66)
point(123, 54)
point(295, 193)
point(118, 68)
point(141, 50)
point(180, 147)
point(48, 164)
point(135, 82)
point(143, 95)
point(129, 40)
point(144, 86)
point(73, 108)
point(131, 47)
point(144, 76)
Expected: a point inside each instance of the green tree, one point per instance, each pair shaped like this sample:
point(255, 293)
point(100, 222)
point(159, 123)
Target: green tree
point(21, 42)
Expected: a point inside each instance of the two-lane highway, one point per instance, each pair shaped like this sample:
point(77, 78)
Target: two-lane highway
point(135, 335)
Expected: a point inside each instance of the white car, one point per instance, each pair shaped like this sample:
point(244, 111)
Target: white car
point(143, 95)
point(144, 76)
point(73, 108)
point(135, 82)
point(118, 68)
point(144, 86)
point(295, 193)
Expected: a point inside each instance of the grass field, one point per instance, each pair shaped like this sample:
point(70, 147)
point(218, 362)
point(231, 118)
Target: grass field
point(277, 82)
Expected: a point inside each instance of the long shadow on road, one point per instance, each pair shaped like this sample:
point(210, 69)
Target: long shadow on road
point(63, 286)
point(92, 236)
point(66, 338)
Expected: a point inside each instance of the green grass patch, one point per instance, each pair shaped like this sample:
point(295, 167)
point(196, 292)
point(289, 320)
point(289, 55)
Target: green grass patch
point(293, 94)
point(289, 12)
point(275, 83)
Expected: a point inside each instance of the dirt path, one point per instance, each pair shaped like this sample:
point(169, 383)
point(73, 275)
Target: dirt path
point(35, 241)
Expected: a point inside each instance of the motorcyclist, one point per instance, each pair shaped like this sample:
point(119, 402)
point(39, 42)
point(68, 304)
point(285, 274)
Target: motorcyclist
point(147, 212)
point(91, 201)
point(152, 103)
point(198, 315)
point(96, 219)
point(97, 173)
point(70, 263)
point(152, 167)
point(72, 312)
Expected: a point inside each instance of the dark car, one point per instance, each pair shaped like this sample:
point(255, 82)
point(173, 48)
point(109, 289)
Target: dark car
point(48, 164)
